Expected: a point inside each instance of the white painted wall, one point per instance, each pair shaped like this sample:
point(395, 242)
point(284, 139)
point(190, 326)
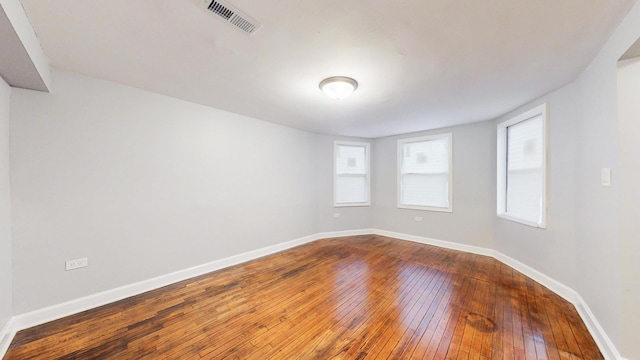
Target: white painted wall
point(600, 242)
point(579, 248)
point(351, 217)
point(629, 178)
point(597, 228)
point(586, 242)
point(6, 310)
point(26, 64)
point(550, 250)
point(144, 185)
point(471, 221)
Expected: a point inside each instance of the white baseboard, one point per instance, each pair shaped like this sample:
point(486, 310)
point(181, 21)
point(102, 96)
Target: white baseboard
point(557, 287)
point(335, 234)
point(54, 312)
point(6, 335)
point(37, 317)
point(440, 243)
point(607, 348)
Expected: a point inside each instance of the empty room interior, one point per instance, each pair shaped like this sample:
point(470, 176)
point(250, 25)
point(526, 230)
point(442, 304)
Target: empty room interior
point(283, 179)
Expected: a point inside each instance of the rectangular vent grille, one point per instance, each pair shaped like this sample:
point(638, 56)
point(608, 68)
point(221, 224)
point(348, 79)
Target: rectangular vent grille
point(233, 16)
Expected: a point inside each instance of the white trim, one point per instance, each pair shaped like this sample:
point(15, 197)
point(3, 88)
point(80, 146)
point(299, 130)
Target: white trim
point(37, 317)
point(41, 316)
point(355, 204)
point(557, 287)
point(54, 312)
point(519, 221)
point(335, 234)
point(426, 208)
point(606, 346)
point(440, 243)
point(367, 155)
point(6, 336)
point(501, 165)
point(400, 157)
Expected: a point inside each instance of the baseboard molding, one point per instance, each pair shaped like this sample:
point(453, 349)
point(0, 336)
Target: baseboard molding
point(334, 234)
point(608, 349)
point(557, 287)
point(6, 335)
point(553, 285)
point(605, 344)
point(54, 312)
point(440, 243)
point(37, 317)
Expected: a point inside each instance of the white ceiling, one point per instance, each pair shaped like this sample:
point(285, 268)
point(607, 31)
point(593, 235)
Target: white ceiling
point(420, 64)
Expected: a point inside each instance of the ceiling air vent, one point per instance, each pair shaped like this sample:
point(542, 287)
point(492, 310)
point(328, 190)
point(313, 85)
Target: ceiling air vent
point(233, 16)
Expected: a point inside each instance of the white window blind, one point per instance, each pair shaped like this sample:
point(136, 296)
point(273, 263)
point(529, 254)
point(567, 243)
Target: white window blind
point(351, 182)
point(522, 168)
point(424, 175)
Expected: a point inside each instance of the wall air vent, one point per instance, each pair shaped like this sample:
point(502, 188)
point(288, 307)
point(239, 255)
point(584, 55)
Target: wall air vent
point(233, 16)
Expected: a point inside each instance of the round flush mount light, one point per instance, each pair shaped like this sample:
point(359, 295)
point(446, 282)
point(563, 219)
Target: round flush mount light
point(338, 87)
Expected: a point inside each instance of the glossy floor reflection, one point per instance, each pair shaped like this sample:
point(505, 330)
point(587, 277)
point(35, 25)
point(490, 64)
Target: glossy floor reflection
point(360, 297)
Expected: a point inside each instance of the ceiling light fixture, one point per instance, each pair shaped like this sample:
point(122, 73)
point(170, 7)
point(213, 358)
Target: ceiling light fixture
point(338, 87)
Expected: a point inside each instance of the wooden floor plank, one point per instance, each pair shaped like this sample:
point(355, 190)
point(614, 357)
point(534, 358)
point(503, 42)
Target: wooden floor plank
point(359, 297)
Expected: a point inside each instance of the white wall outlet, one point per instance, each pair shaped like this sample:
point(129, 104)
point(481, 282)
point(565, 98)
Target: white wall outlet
point(336, 215)
point(418, 218)
point(605, 177)
point(76, 264)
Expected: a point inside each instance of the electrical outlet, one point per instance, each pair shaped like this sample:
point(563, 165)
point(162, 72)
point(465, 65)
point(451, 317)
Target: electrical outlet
point(336, 215)
point(76, 264)
point(418, 218)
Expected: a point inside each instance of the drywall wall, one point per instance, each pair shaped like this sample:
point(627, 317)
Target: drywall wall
point(471, 221)
point(351, 217)
point(597, 227)
point(629, 177)
point(550, 250)
point(5, 208)
point(144, 185)
point(584, 244)
point(23, 62)
point(579, 246)
point(599, 244)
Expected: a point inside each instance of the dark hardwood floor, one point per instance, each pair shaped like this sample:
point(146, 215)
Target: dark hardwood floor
point(361, 297)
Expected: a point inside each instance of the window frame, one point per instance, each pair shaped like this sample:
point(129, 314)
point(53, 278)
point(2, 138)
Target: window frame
point(501, 152)
point(400, 157)
point(367, 154)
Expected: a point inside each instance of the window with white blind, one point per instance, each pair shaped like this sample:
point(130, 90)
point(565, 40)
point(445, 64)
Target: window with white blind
point(351, 174)
point(425, 173)
point(522, 165)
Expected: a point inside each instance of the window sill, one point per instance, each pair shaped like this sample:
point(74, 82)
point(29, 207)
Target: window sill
point(425, 208)
point(351, 205)
point(521, 221)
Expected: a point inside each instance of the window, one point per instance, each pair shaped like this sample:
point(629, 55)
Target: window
point(351, 170)
point(425, 173)
point(522, 167)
